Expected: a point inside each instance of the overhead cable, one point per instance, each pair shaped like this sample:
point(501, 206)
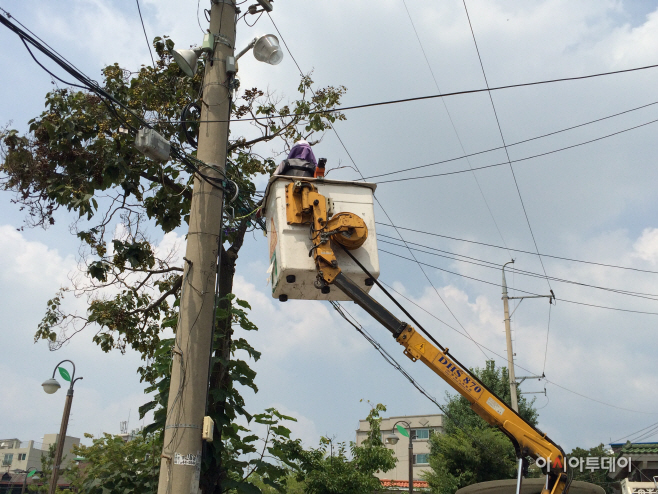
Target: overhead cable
point(634, 433)
point(107, 98)
point(144, 29)
point(516, 143)
point(444, 95)
point(517, 250)
point(496, 266)
point(375, 197)
point(456, 172)
point(502, 138)
point(519, 290)
point(530, 372)
point(452, 123)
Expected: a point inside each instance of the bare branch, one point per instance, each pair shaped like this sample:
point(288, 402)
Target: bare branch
point(172, 291)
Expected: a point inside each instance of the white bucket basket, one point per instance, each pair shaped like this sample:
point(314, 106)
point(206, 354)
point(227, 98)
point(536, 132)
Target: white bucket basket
point(292, 272)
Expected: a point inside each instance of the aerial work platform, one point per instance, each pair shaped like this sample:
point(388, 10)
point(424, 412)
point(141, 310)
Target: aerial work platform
point(292, 270)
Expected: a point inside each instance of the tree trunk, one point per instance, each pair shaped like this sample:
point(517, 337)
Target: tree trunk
point(215, 474)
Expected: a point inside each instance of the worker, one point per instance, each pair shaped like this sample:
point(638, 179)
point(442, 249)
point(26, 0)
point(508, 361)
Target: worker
point(301, 161)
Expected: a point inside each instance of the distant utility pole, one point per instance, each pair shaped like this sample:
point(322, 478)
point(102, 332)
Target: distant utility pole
point(508, 335)
point(181, 456)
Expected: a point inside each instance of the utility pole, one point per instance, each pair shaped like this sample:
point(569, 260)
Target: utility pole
point(508, 336)
point(181, 455)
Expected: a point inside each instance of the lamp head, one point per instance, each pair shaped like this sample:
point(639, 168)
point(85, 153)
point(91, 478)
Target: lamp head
point(51, 385)
point(187, 59)
point(391, 438)
point(267, 50)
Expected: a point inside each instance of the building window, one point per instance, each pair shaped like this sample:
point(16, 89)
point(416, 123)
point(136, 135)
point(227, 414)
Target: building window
point(22, 456)
point(420, 434)
point(8, 459)
point(421, 459)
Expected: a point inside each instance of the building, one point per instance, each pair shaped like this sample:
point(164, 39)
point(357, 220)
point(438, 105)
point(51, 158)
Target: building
point(422, 426)
point(17, 455)
point(641, 476)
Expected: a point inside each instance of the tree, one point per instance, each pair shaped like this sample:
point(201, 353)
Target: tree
point(328, 469)
point(471, 451)
point(79, 156)
point(597, 476)
point(46, 471)
point(112, 465)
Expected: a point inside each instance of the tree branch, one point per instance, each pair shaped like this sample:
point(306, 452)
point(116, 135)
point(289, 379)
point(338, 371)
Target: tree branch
point(178, 188)
point(174, 288)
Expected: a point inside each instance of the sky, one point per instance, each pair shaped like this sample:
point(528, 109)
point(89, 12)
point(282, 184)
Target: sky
point(593, 202)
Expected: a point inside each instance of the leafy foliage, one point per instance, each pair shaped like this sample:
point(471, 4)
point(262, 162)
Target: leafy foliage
point(242, 461)
point(599, 476)
point(79, 156)
point(112, 465)
point(329, 470)
point(46, 471)
point(458, 409)
point(470, 450)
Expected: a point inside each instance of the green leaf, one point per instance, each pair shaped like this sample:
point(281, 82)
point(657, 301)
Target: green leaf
point(64, 373)
point(402, 430)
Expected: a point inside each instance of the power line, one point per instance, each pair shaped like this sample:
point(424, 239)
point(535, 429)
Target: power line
point(492, 265)
point(433, 96)
point(518, 289)
point(375, 197)
point(516, 143)
point(634, 433)
point(109, 100)
point(144, 29)
point(456, 172)
point(518, 250)
point(452, 123)
point(500, 130)
point(394, 363)
point(520, 366)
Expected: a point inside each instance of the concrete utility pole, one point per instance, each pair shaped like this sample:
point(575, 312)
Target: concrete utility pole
point(508, 334)
point(181, 456)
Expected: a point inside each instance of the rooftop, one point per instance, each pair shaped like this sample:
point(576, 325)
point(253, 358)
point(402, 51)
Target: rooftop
point(636, 448)
point(420, 484)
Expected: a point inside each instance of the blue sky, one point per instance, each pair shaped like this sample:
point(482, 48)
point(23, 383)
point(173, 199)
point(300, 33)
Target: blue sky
point(595, 202)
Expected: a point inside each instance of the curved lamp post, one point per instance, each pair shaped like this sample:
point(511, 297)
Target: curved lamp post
point(392, 438)
point(51, 386)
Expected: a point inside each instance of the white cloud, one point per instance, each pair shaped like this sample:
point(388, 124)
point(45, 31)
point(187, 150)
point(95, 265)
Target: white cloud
point(596, 202)
point(646, 247)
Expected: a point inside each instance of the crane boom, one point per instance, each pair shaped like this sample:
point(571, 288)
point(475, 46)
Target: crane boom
point(306, 206)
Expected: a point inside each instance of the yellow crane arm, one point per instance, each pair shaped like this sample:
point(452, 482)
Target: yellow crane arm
point(304, 205)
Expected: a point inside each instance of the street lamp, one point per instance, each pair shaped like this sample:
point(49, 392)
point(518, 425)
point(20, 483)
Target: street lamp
point(392, 438)
point(50, 386)
point(266, 49)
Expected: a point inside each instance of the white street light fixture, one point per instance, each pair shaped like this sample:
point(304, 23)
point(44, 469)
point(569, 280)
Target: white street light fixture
point(266, 49)
point(392, 438)
point(187, 59)
point(51, 386)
